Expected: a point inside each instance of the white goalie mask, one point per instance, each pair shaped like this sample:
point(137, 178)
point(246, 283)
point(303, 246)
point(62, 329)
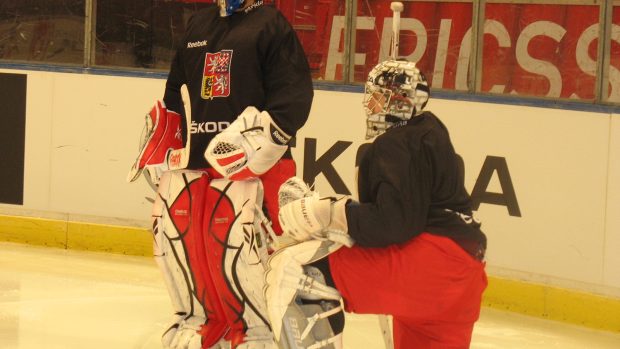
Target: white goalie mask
point(395, 91)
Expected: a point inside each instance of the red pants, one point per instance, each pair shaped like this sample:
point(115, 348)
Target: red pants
point(430, 285)
point(272, 180)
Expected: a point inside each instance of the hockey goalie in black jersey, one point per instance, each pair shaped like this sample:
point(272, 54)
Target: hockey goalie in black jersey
point(410, 247)
point(249, 90)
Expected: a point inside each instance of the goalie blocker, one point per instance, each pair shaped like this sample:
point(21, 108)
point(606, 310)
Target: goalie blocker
point(249, 147)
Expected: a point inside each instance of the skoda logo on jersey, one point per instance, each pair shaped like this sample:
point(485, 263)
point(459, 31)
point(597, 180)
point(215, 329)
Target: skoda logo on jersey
point(208, 126)
point(216, 74)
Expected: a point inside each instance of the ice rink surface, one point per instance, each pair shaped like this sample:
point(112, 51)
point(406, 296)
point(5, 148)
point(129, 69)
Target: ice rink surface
point(52, 298)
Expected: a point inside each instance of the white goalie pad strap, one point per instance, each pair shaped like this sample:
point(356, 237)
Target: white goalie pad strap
point(318, 316)
point(161, 134)
point(249, 147)
point(286, 280)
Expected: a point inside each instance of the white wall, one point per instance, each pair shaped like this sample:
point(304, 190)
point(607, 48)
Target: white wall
point(558, 163)
point(83, 130)
point(82, 133)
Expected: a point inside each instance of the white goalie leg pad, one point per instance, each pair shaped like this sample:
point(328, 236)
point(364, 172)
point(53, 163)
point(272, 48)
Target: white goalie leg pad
point(245, 258)
point(170, 255)
point(170, 273)
point(297, 325)
point(249, 147)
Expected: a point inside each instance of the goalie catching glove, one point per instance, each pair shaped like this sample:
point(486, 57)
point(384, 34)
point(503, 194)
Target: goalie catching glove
point(249, 147)
point(161, 136)
point(312, 217)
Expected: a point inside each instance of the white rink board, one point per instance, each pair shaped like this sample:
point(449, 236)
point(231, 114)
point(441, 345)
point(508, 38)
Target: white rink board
point(83, 131)
point(82, 134)
point(558, 164)
point(111, 117)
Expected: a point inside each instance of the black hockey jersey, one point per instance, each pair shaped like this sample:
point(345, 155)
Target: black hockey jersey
point(251, 58)
point(411, 181)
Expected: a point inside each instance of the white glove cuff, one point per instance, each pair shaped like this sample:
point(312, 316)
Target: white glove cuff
point(339, 215)
point(278, 136)
point(338, 230)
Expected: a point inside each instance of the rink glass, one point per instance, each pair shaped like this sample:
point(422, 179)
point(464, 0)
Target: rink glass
point(42, 31)
point(516, 48)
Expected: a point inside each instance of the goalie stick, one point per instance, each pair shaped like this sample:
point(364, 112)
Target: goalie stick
point(179, 158)
point(396, 7)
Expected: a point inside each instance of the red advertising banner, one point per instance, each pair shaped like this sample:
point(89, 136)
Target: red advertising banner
point(528, 49)
point(543, 50)
point(434, 34)
point(540, 50)
point(313, 22)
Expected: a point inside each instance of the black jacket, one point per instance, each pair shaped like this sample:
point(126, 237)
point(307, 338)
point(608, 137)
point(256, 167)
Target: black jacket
point(411, 181)
point(230, 63)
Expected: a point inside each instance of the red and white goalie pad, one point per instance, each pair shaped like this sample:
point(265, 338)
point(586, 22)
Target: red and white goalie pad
point(236, 248)
point(249, 147)
point(212, 251)
point(161, 142)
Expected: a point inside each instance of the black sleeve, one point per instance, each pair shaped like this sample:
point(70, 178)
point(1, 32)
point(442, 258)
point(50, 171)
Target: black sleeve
point(287, 79)
point(398, 183)
point(176, 79)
